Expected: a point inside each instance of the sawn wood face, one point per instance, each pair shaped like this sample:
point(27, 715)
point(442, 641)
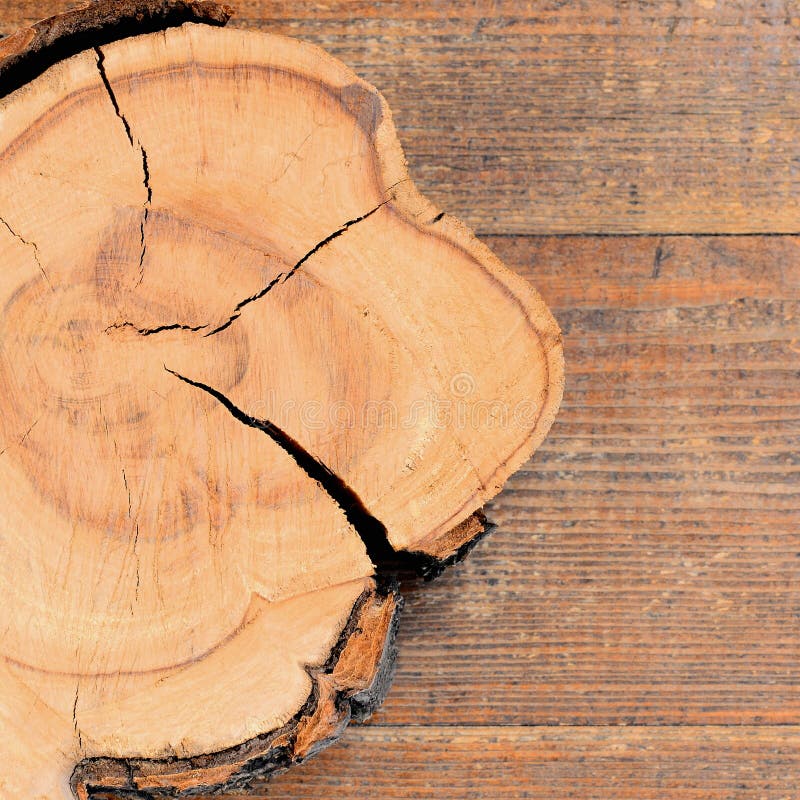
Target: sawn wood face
point(246, 372)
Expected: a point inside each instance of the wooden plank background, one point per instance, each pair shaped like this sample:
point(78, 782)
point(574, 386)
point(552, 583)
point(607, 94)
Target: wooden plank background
point(632, 628)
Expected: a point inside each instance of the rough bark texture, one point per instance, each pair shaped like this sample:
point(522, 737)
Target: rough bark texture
point(349, 686)
point(30, 51)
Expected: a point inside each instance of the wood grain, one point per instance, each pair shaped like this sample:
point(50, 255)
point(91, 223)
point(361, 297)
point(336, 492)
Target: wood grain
point(646, 568)
point(552, 763)
point(574, 117)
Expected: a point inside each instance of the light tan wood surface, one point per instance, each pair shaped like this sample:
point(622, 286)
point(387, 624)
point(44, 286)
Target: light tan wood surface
point(212, 252)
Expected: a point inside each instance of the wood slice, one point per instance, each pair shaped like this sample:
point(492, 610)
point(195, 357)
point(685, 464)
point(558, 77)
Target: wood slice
point(247, 371)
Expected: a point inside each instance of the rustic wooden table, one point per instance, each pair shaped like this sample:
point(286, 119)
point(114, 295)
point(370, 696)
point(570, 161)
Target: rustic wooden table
point(632, 628)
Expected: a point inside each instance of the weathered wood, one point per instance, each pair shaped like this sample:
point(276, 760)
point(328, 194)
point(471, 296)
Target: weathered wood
point(747, 763)
point(576, 117)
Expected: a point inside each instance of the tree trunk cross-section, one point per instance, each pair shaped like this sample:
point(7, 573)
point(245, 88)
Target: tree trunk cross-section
point(246, 371)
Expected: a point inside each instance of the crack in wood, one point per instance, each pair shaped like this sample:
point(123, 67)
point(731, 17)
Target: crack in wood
point(385, 558)
point(22, 439)
point(175, 326)
point(34, 249)
point(371, 530)
point(135, 143)
point(284, 276)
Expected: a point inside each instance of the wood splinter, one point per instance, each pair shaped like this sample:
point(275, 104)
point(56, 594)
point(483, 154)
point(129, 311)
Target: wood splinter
point(247, 371)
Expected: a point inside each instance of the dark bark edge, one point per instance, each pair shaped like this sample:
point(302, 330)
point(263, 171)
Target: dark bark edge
point(27, 53)
point(430, 567)
point(273, 752)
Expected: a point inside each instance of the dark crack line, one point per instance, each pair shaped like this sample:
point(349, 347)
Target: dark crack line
point(146, 173)
point(27, 432)
point(75, 716)
point(371, 530)
point(175, 326)
point(34, 249)
point(125, 481)
point(284, 276)
point(138, 563)
point(280, 278)
point(101, 68)
point(146, 214)
point(135, 144)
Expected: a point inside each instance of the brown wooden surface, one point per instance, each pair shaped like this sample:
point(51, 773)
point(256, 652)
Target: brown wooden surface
point(552, 764)
point(645, 569)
